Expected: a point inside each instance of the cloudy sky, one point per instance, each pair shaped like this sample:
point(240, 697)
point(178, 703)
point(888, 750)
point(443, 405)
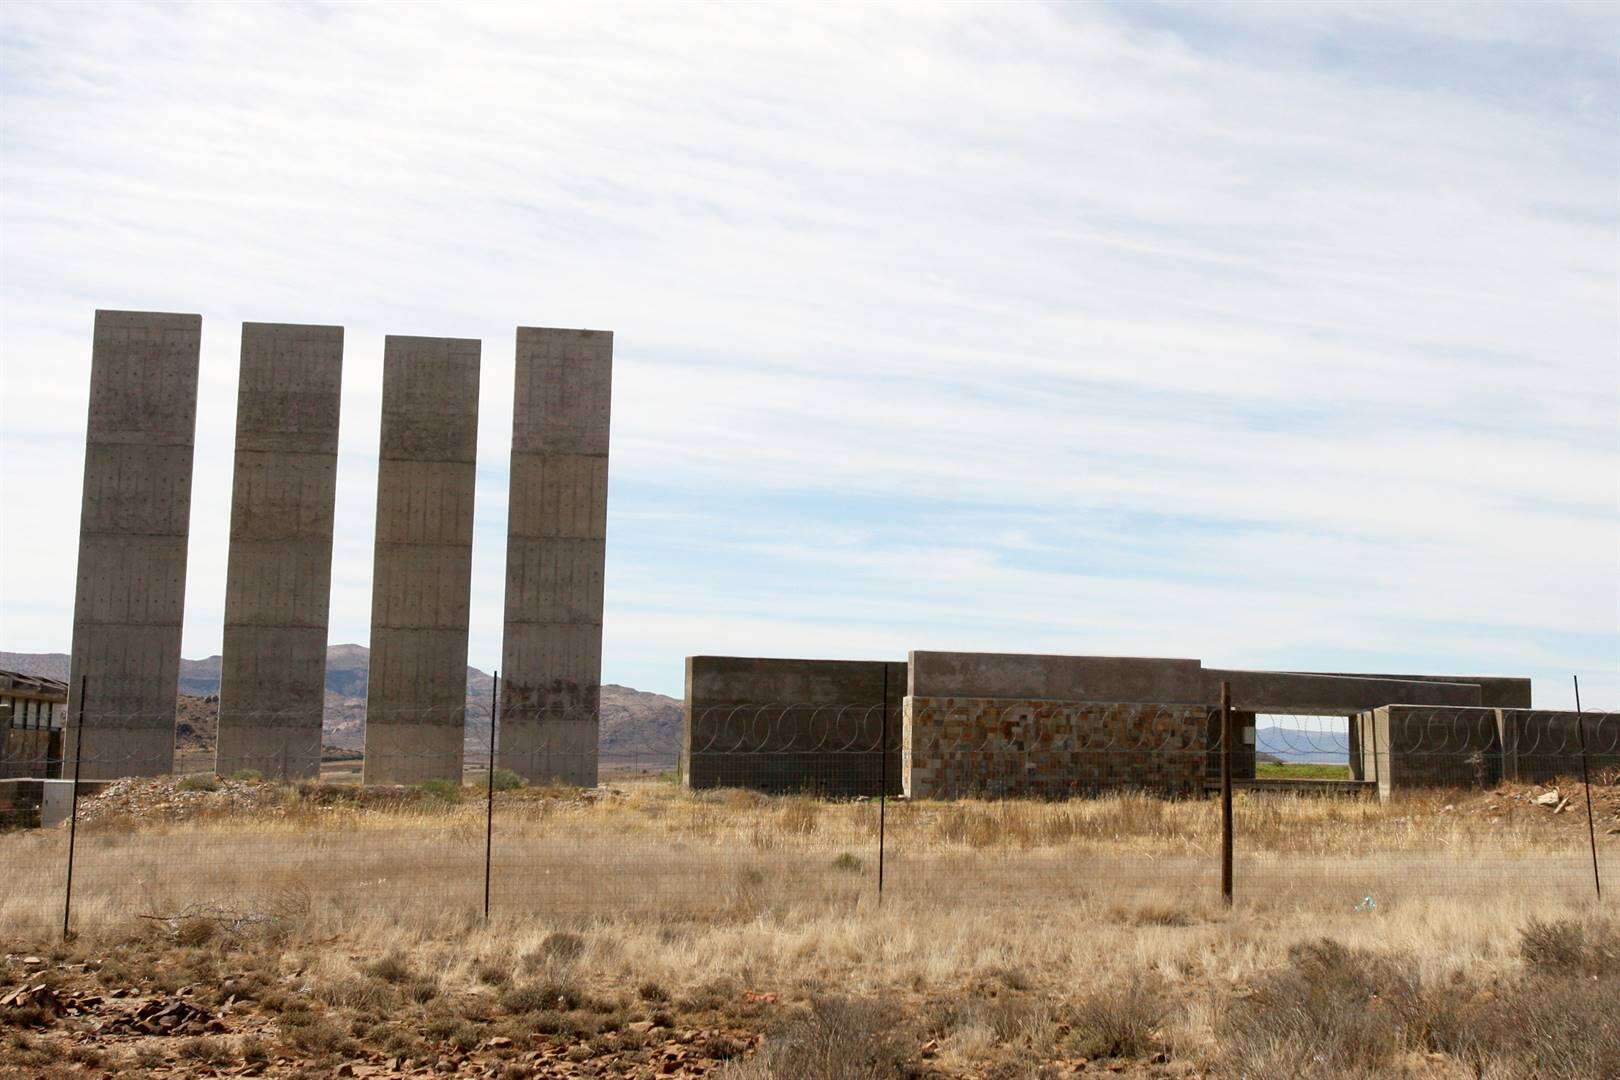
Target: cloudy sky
point(1273, 335)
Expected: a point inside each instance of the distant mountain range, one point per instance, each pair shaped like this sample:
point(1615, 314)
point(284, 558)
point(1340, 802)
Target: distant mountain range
point(636, 725)
point(1297, 746)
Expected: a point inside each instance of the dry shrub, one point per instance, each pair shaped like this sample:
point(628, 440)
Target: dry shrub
point(799, 815)
point(357, 992)
point(546, 994)
point(1543, 1027)
point(310, 1034)
point(838, 1039)
point(393, 967)
point(254, 1051)
point(1571, 946)
point(1561, 1020)
point(205, 1051)
point(562, 947)
point(1121, 1020)
point(1334, 1011)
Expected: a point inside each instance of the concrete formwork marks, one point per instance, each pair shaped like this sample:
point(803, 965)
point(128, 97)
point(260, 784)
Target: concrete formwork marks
point(551, 662)
point(421, 585)
point(278, 582)
point(133, 525)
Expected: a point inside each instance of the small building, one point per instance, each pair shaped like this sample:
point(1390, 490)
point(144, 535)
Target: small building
point(32, 714)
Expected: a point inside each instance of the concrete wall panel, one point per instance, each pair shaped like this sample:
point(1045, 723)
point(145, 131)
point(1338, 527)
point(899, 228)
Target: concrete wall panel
point(421, 585)
point(792, 725)
point(1055, 678)
point(278, 580)
point(133, 529)
point(556, 546)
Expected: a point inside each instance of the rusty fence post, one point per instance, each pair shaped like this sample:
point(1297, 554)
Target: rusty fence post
point(1226, 793)
point(1586, 781)
point(489, 794)
point(73, 815)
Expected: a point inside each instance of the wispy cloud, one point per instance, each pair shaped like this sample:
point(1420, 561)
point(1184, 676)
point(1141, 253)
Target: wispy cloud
point(1220, 331)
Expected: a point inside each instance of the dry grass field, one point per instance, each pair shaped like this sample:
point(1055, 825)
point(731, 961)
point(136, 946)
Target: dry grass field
point(650, 931)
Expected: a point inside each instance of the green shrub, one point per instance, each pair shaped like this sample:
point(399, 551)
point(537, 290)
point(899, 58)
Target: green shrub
point(848, 863)
point(248, 776)
point(442, 789)
point(507, 780)
point(200, 782)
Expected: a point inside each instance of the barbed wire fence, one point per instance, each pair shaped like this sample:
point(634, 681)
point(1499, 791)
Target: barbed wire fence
point(984, 804)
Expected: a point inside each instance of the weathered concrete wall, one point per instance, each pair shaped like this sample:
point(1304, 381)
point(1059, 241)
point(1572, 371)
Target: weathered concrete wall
point(792, 725)
point(1055, 678)
point(1150, 679)
point(1413, 746)
point(556, 547)
point(421, 585)
point(278, 581)
point(1494, 691)
point(1405, 746)
point(30, 752)
point(133, 528)
point(994, 747)
point(1329, 695)
point(1541, 745)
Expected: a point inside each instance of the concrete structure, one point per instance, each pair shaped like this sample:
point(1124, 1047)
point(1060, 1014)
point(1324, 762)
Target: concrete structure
point(132, 540)
point(1021, 722)
point(272, 687)
point(32, 710)
point(1405, 746)
point(551, 655)
point(32, 803)
point(1157, 681)
point(32, 702)
point(416, 695)
point(792, 725)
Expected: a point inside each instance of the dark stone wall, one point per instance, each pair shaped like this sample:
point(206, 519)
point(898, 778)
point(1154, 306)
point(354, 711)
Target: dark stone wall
point(781, 725)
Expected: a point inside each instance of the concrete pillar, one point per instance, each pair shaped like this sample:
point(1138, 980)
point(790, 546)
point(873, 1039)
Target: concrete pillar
point(272, 686)
point(417, 687)
point(133, 527)
point(551, 657)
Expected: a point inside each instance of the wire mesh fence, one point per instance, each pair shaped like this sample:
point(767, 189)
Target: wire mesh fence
point(976, 806)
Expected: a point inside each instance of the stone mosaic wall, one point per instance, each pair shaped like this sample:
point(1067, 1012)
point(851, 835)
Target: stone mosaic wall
point(992, 747)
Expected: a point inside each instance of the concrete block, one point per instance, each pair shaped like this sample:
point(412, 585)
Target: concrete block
point(792, 725)
point(421, 586)
point(551, 654)
point(1330, 695)
point(133, 529)
point(1495, 691)
point(1054, 678)
point(278, 581)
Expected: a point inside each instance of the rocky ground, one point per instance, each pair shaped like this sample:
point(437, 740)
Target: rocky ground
point(88, 1017)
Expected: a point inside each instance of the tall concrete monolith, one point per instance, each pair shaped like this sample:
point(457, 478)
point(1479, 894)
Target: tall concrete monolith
point(421, 584)
point(278, 581)
point(551, 657)
point(133, 527)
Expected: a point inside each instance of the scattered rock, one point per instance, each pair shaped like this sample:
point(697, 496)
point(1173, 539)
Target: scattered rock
point(1548, 799)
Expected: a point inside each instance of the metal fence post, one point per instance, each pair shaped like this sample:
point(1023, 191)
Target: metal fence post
point(1586, 781)
point(489, 794)
point(73, 815)
point(883, 777)
point(1226, 793)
